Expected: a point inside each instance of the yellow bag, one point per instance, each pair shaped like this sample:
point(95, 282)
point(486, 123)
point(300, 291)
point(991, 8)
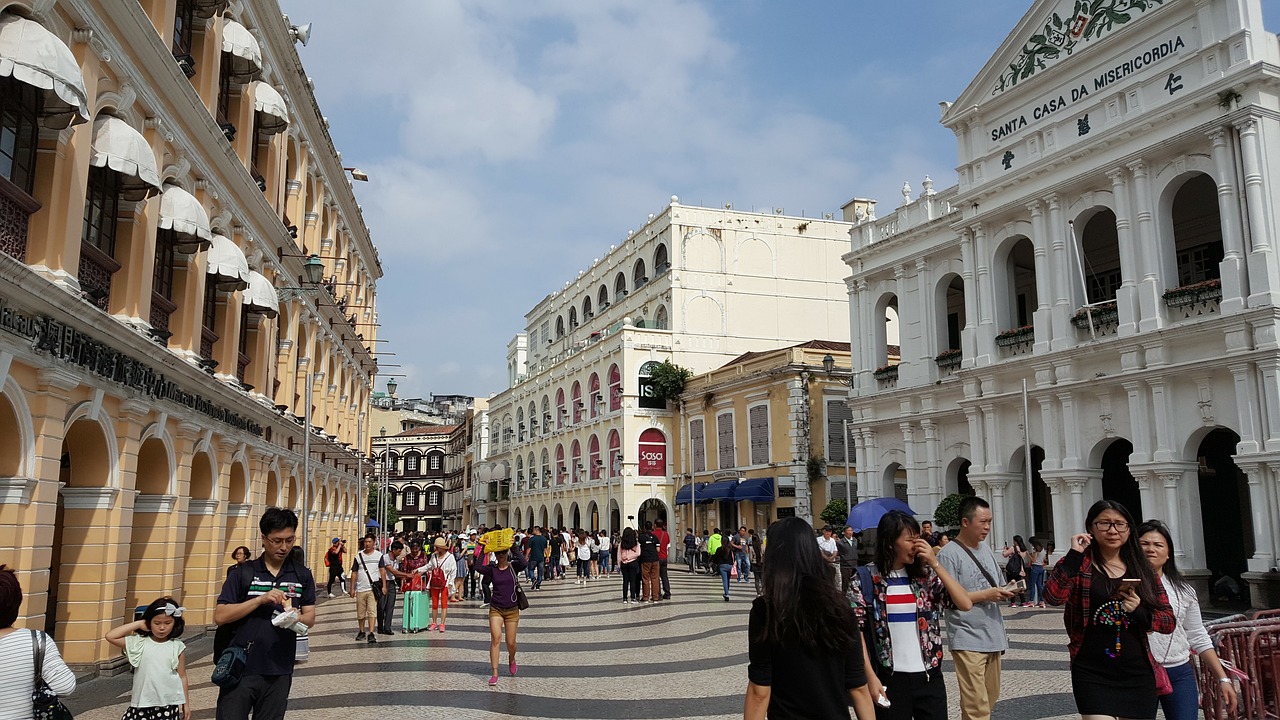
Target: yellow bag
point(498, 540)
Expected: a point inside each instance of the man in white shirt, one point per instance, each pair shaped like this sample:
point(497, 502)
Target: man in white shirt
point(367, 569)
point(830, 551)
point(391, 568)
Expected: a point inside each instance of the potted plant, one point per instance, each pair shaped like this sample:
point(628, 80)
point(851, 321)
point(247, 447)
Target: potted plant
point(948, 359)
point(1103, 313)
point(887, 372)
point(1206, 291)
point(1016, 336)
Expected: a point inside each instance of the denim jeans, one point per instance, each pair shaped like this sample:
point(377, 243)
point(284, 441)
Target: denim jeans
point(744, 566)
point(584, 569)
point(603, 562)
point(1035, 584)
point(1184, 702)
point(725, 569)
point(535, 572)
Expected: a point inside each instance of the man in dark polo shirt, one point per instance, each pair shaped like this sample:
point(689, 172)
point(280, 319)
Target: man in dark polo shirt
point(252, 594)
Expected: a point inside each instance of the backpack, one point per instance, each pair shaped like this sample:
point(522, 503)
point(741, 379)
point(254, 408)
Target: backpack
point(435, 575)
point(1014, 567)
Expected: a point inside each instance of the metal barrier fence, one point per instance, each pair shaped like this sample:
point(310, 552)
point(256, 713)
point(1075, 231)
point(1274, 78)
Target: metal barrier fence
point(1250, 649)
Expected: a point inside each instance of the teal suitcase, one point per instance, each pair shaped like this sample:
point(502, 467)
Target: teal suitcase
point(417, 611)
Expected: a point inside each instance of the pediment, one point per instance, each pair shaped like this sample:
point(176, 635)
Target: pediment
point(1051, 32)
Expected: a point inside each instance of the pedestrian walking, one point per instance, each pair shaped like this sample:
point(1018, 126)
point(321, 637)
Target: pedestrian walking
point(605, 555)
point(19, 649)
point(1035, 574)
point(460, 573)
point(805, 657)
point(504, 612)
point(395, 574)
point(649, 569)
point(333, 558)
point(584, 554)
point(159, 661)
point(977, 637)
point(847, 552)
point(369, 584)
point(830, 551)
point(440, 571)
point(270, 586)
point(722, 560)
point(629, 562)
point(664, 549)
point(537, 557)
point(556, 542)
point(690, 550)
point(741, 554)
point(1173, 650)
point(1015, 570)
point(239, 556)
point(1113, 599)
point(898, 599)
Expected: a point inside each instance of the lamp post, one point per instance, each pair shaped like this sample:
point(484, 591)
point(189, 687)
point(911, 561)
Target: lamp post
point(829, 367)
point(313, 274)
point(306, 470)
point(381, 508)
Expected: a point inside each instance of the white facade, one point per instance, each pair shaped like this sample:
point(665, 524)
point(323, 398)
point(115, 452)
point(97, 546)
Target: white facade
point(1151, 150)
point(695, 286)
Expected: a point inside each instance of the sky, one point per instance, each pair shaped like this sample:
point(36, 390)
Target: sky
point(510, 143)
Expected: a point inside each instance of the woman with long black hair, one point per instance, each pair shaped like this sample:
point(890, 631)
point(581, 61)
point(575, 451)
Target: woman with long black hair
point(1113, 599)
point(805, 653)
point(898, 600)
point(629, 562)
point(1173, 650)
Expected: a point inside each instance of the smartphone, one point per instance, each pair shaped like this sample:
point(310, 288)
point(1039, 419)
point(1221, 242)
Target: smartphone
point(1127, 584)
point(1016, 586)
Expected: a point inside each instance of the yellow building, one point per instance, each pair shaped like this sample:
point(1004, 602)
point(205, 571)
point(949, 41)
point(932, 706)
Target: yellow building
point(180, 252)
point(761, 438)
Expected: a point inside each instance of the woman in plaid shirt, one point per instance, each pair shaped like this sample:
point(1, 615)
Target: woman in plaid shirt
point(1113, 599)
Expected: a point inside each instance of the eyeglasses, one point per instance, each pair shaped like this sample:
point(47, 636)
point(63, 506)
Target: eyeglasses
point(1118, 525)
point(280, 542)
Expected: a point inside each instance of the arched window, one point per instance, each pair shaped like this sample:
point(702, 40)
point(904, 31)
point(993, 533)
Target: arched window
point(411, 461)
point(1197, 231)
point(519, 473)
point(593, 395)
point(638, 277)
point(586, 309)
point(615, 454)
point(653, 453)
point(544, 476)
point(619, 287)
point(560, 464)
point(561, 413)
point(559, 327)
point(615, 388)
point(546, 415)
point(520, 424)
point(660, 320)
point(1020, 282)
point(573, 318)
point(593, 456)
point(578, 405)
point(660, 262)
point(575, 455)
point(1100, 248)
point(951, 318)
point(533, 418)
point(602, 298)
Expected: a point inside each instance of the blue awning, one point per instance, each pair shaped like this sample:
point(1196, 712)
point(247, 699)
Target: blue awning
point(684, 495)
point(755, 489)
point(719, 490)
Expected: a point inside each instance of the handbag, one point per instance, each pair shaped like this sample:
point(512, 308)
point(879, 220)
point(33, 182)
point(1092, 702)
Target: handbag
point(230, 666)
point(1163, 684)
point(522, 601)
point(377, 589)
point(45, 704)
point(733, 571)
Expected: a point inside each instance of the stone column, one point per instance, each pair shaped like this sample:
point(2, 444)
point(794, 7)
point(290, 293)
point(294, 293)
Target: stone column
point(972, 350)
point(1234, 278)
point(1258, 476)
point(914, 476)
point(1044, 281)
point(1127, 295)
point(1264, 277)
point(1061, 332)
point(1076, 486)
point(1151, 286)
point(933, 467)
point(986, 319)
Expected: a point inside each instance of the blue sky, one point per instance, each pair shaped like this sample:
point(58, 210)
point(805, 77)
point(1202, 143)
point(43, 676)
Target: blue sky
point(510, 143)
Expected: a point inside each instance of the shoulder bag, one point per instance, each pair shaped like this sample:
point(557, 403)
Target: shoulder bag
point(981, 569)
point(45, 704)
point(522, 601)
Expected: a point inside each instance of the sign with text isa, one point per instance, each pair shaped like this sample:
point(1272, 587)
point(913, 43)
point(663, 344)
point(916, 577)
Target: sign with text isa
point(653, 453)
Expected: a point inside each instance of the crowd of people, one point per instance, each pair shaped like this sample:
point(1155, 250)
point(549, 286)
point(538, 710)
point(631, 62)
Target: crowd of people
point(825, 632)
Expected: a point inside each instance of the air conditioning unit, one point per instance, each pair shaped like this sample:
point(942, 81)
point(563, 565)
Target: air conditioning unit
point(599, 463)
point(580, 467)
point(578, 404)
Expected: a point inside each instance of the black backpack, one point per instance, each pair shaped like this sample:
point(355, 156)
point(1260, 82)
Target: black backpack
point(1014, 567)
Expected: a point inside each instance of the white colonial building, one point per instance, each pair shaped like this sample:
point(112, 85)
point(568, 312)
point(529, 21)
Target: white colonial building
point(578, 440)
point(1112, 243)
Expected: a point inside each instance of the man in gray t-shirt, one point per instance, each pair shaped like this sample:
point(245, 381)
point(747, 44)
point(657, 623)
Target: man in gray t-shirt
point(977, 637)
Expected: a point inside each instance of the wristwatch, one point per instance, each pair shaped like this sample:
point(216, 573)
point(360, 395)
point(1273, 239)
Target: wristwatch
point(1224, 680)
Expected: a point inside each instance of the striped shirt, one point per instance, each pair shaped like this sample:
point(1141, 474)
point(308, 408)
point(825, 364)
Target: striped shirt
point(904, 631)
point(18, 661)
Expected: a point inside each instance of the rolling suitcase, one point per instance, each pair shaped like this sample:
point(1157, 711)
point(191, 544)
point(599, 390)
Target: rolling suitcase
point(417, 611)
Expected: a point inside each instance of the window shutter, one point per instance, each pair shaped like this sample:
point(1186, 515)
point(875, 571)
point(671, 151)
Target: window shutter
point(724, 440)
point(698, 443)
point(758, 420)
point(837, 411)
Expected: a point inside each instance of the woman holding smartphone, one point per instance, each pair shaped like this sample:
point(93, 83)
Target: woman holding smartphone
point(1113, 599)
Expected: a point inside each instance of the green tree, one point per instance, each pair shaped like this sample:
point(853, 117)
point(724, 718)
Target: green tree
point(948, 512)
point(836, 513)
point(393, 516)
point(669, 379)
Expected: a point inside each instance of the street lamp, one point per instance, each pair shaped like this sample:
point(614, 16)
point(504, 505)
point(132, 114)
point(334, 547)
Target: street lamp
point(306, 468)
point(357, 174)
point(829, 366)
point(382, 493)
point(391, 387)
point(313, 274)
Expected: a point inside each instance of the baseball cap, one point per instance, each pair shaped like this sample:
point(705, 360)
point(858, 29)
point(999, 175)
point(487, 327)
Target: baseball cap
point(335, 540)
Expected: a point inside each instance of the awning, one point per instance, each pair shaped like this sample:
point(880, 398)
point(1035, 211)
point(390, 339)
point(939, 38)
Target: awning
point(116, 145)
point(227, 264)
point(207, 8)
point(272, 113)
point(31, 54)
point(719, 490)
point(755, 490)
point(245, 64)
point(684, 495)
point(182, 213)
point(260, 296)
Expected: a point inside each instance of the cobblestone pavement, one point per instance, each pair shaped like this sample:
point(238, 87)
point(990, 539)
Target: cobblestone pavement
point(582, 654)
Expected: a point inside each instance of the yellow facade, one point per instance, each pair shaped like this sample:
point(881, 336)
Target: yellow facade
point(155, 377)
point(764, 415)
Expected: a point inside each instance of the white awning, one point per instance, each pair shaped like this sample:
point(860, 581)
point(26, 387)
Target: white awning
point(116, 145)
point(272, 113)
point(182, 213)
point(227, 264)
point(260, 296)
point(31, 54)
point(245, 63)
